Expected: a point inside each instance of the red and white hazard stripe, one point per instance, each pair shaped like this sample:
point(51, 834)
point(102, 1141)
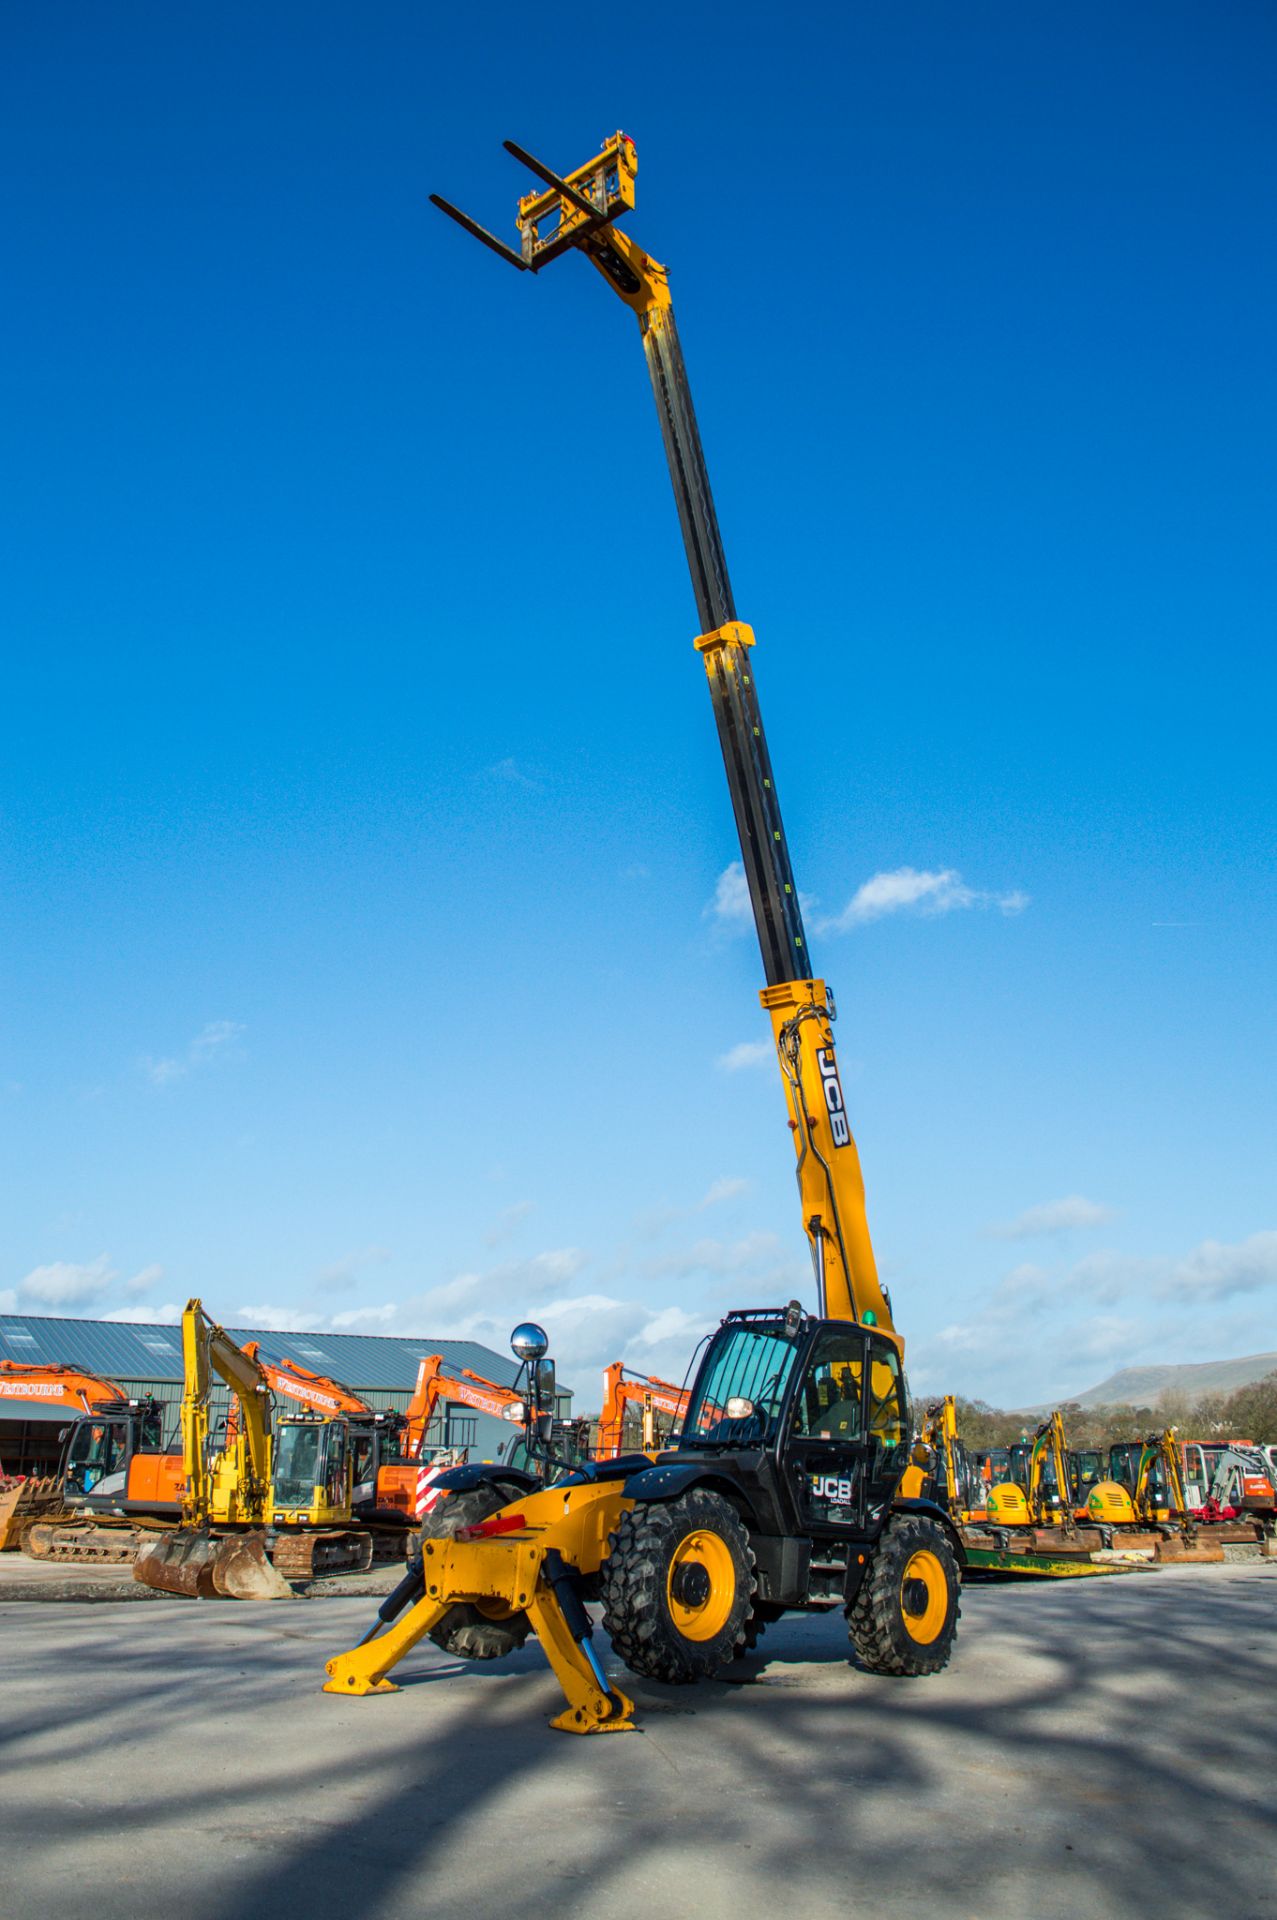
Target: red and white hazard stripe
point(427, 1493)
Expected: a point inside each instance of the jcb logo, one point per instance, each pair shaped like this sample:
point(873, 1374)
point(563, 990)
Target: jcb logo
point(833, 1096)
point(827, 1486)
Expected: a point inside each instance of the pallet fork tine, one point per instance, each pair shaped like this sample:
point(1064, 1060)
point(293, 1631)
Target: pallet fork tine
point(498, 247)
point(542, 172)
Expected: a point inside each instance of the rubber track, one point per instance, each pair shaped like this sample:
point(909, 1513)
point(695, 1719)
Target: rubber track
point(874, 1618)
point(633, 1593)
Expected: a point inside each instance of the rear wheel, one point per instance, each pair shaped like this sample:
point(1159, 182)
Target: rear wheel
point(904, 1618)
point(465, 1629)
point(677, 1587)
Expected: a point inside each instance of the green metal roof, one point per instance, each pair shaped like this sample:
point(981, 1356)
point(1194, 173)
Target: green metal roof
point(367, 1362)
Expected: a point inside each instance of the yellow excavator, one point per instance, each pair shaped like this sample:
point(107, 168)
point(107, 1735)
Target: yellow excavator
point(782, 1485)
point(1043, 1500)
point(275, 1503)
point(1150, 1493)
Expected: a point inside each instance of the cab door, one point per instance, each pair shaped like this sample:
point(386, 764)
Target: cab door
point(825, 1442)
point(886, 1447)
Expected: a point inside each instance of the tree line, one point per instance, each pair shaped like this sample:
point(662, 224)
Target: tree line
point(1249, 1413)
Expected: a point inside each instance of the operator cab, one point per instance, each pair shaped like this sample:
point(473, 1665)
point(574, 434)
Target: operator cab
point(813, 1412)
point(100, 1447)
point(310, 1477)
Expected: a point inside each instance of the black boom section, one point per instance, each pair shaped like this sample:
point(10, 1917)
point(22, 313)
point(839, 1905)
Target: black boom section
point(764, 851)
point(689, 473)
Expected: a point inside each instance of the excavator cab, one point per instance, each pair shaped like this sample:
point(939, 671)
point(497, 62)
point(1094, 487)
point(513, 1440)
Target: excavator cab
point(311, 1482)
point(101, 1448)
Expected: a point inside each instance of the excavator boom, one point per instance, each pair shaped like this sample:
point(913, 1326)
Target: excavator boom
point(55, 1386)
point(622, 1390)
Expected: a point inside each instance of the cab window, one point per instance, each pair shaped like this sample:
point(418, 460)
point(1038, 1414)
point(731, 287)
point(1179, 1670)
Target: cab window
point(828, 1402)
point(887, 1421)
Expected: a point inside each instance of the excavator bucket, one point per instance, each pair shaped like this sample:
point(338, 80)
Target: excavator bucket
point(178, 1562)
point(241, 1571)
point(204, 1567)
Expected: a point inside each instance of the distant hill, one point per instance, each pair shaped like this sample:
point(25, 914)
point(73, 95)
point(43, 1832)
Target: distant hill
point(1144, 1386)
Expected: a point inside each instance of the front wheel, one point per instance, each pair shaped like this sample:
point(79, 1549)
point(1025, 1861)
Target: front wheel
point(466, 1630)
point(677, 1587)
point(905, 1617)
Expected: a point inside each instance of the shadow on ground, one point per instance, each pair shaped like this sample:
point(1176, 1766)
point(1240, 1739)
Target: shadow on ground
point(1099, 1748)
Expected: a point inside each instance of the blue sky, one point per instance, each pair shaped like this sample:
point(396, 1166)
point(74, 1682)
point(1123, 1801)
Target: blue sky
point(363, 817)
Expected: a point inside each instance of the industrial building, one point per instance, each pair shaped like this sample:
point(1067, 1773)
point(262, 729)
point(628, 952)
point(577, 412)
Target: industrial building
point(147, 1359)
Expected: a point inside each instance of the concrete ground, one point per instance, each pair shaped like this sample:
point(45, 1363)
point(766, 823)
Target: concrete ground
point(1097, 1748)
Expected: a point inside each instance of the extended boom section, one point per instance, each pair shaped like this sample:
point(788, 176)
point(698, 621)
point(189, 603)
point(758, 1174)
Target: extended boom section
point(575, 212)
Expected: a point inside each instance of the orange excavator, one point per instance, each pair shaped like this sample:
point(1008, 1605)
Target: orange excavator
point(623, 1390)
point(392, 1471)
point(114, 1473)
point(117, 1483)
point(463, 1388)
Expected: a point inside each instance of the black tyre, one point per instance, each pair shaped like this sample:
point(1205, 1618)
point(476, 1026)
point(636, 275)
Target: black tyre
point(905, 1617)
point(678, 1587)
point(465, 1629)
point(764, 1614)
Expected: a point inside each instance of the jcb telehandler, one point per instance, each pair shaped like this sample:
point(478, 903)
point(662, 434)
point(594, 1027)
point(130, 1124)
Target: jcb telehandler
point(781, 1488)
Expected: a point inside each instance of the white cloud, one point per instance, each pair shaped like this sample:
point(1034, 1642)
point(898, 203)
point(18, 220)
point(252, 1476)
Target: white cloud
point(746, 1053)
point(274, 1319)
point(67, 1283)
point(143, 1281)
point(1054, 1216)
point(364, 1320)
point(913, 890)
point(212, 1040)
point(561, 1263)
point(1047, 1331)
point(167, 1315)
point(719, 1190)
point(593, 1313)
point(1214, 1271)
point(730, 908)
point(76, 1285)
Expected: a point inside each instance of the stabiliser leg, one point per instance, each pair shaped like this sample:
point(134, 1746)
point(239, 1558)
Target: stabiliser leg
point(525, 1577)
point(364, 1668)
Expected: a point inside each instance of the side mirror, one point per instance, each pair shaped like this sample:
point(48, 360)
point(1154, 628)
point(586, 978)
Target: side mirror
point(921, 1455)
point(544, 1382)
point(545, 1428)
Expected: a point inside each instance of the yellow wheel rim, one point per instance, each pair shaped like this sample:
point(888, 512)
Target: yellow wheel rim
point(700, 1587)
point(924, 1597)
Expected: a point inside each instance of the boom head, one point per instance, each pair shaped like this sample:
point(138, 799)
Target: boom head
point(576, 211)
point(564, 212)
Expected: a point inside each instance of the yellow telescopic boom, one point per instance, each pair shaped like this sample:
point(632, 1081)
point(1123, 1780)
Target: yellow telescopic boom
point(577, 212)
